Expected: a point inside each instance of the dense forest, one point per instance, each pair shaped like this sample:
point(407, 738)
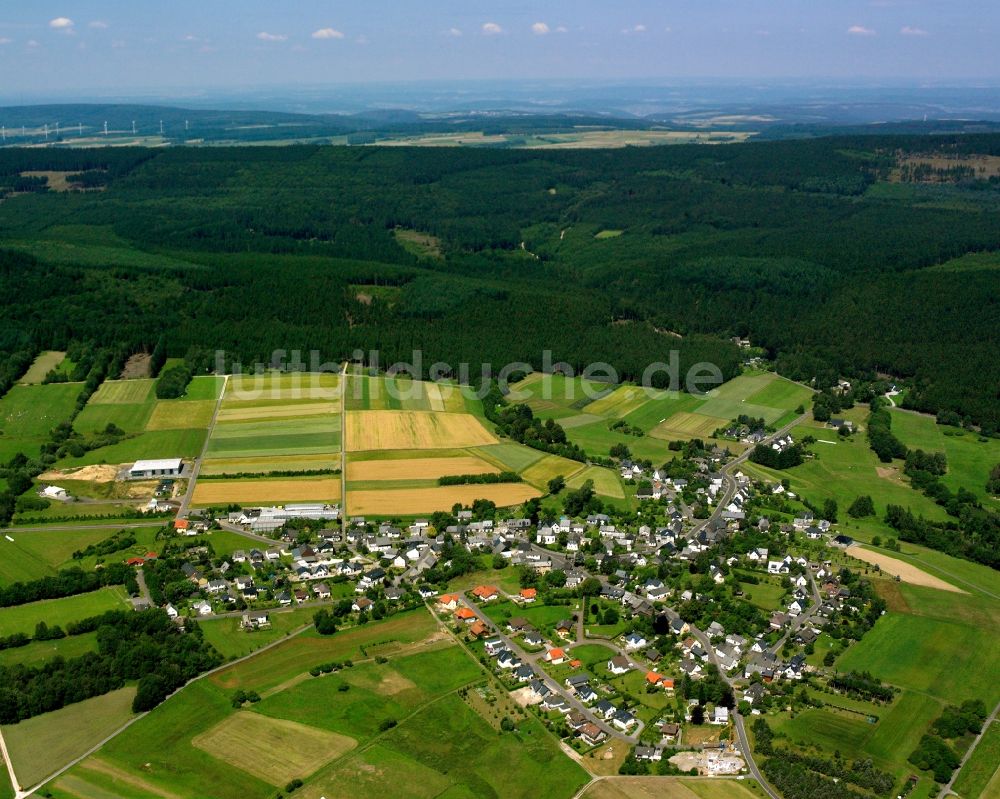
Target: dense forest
point(802, 246)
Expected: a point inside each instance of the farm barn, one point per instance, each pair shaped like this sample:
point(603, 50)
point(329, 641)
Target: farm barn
point(166, 467)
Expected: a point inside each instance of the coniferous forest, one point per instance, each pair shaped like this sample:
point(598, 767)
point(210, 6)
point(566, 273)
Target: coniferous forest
point(809, 248)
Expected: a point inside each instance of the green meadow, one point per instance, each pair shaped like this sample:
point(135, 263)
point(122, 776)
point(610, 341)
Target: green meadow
point(970, 457)
point(23, 618)
point(414, 683)
point(28, 413)
point(40, 745)
point(980, 776)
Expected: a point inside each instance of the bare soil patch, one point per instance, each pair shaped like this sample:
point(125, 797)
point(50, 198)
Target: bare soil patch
point(900, 568)
point(137, 366)
point(90, 474)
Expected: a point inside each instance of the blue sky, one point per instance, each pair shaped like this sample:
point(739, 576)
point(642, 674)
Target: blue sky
point(141, 44)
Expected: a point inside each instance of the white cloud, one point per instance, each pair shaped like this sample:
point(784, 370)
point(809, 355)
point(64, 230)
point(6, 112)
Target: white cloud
point(909, 30)
point(32, 43)
point(491, 29)
point(362, 39)
point(456, 32)
point(327, 33)
point(98, 24)
point(562, 29)
point(860, 30)
point(264, 36)
point(540, 29)
point(64, 24)
point(5, 40)
point(639, 28)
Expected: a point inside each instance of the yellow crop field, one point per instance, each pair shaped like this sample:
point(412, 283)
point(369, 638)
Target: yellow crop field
point(687, 425)
point(541, 471)
point(251, 492)
point(181, 415)
point(379, 430)
point(276, 750)
point(418, 468)
point(238, 413)
point(409, 501)
point(606, 482)
point(623, 400)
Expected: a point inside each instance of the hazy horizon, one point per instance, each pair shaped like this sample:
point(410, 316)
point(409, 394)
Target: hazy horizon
point(102, 46)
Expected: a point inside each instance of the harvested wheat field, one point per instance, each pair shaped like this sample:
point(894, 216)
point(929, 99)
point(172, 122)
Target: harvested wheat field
point(275, 750)
point(900, 568)
point(410, 501)
point(418, 468)
point(251, 492)
point(380, 430)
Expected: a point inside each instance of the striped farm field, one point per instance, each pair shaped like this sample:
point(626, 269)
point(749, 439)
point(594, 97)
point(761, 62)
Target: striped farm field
point(418, 468)
point(623, 400)
point(301, 386)
point(410, 501)
point(255, 492)
point(685, 424)
point(606, 482)
point(124, 392)
point(271, 463)
point(306, 435)
point(276, 409)
point(377, 430)
point(275, 750)
point(181, 415)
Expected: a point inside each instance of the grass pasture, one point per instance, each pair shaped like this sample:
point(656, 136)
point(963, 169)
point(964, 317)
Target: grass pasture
point(980, 776)
point(413, 501)
point(130, 417)
point(151, 444)
point(969, 458)
point(38, 553)
point(28, 413)
point(124, 392)
point(40, 745)
point(419, 757)
point(554, 395)
point(378, 430)
point(23, 618)
point(942, 658)
point(181, 414)
point(269, 491)
point(37, 653)
point(42, 365)
point(275, 750)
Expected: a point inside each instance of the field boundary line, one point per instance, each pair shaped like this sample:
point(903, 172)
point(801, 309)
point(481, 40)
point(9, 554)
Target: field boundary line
point(196, 466)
